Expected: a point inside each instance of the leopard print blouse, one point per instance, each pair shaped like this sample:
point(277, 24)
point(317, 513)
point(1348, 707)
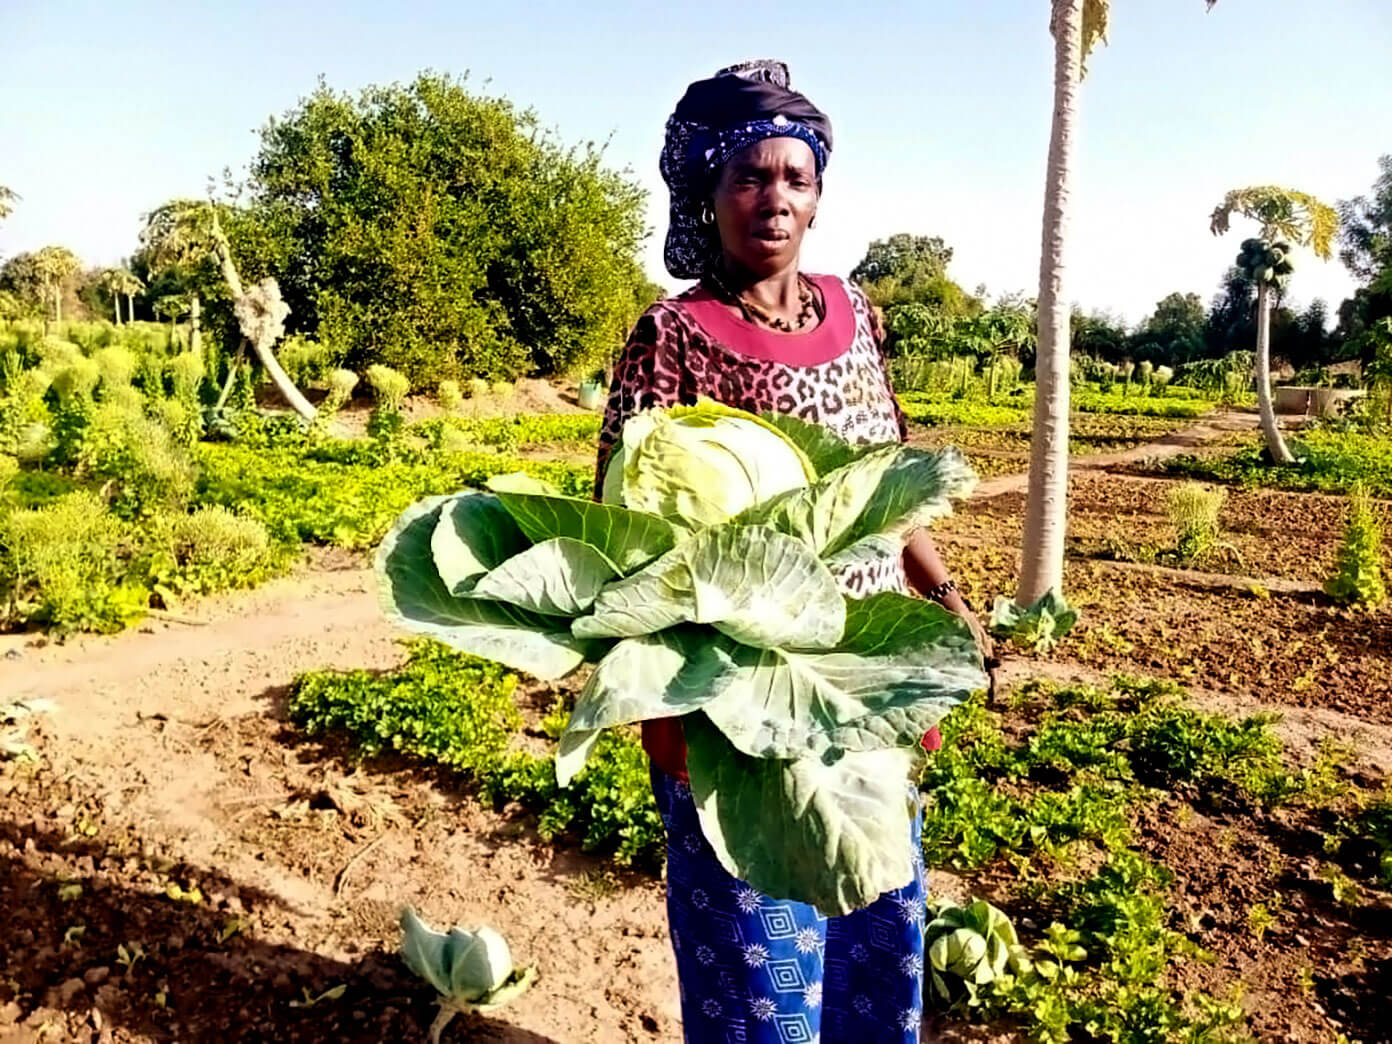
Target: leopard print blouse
point(692, 346)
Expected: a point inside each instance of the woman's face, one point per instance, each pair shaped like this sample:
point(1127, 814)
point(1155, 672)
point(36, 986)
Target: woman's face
point(764, 200)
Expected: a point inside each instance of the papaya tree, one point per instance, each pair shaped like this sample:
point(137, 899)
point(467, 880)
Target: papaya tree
point(1077, 27)
point(1287, 218)
point(183, 231)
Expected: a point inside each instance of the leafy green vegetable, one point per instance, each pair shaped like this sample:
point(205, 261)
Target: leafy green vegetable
point(471, 970)
point(475, 534)
point(968, 947)
point(701, 465)
point(755, 585)
point(650, 676)
point(830, 830)
point(415, 597)
point(901, 665)
point(884, 492)
point(711, 597)
point(561, 577)
point(1038, 627)
point(629, 539)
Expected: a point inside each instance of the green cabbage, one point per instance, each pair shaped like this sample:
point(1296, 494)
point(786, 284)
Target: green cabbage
point(704, 589)
point(470, 970)
point(702, 465)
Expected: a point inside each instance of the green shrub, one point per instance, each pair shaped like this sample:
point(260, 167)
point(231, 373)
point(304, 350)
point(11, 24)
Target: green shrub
point(478, 388)
point(210, 549)
point(116, 365)
point(186, 371)
point(1194, 512)
point(451, 398)
point(137, 460)
point(389, 386)
point(73, 385)
point(308, 363)
point(66, 565)
point(1358, 563)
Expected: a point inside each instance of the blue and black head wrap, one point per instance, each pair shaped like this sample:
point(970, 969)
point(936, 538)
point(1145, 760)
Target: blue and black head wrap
point(715, 119)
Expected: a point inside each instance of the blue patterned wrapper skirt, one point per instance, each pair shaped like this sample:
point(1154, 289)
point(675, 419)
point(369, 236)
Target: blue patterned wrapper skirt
point(757, 970)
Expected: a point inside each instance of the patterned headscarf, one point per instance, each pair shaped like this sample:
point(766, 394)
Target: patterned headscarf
point(716, 118)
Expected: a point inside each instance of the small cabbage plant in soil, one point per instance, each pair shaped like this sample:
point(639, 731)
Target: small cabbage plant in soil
point(471, 970)
point(704, 587)
point(1037, 627)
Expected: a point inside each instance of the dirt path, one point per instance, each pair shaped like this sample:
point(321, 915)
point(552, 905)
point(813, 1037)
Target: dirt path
point(170, 767)
point(1173, 445)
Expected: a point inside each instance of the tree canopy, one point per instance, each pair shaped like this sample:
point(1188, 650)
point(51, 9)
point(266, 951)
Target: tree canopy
point(442, 233)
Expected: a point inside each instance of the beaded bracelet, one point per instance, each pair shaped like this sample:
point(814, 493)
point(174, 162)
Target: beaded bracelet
point(941, 591)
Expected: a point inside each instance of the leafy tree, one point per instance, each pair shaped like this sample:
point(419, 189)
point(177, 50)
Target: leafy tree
point(126, 284)
point(1365, 240)
point(1285, 216)
point(902, 256)
point(907, 269)
point(1174, 333)
point(442, 233)
point(1099, 335)
point(1365, 228)
point(20, 276)
point(8, 198)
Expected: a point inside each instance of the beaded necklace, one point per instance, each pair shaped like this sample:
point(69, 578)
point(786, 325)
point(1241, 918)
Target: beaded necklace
point(807, 302)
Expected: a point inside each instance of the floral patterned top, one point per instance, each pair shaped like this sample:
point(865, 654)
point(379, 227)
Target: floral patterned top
point(692, 346)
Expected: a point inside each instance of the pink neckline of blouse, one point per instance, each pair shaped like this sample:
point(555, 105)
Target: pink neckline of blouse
point(831, 338)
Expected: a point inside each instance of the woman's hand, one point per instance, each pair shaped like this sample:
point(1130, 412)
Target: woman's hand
point(926, 573)
point(955, 603)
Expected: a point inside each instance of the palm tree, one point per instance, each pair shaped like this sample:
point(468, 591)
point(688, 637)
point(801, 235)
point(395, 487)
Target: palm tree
point(8, 197)
point(110, 281)
point(55, 265)
point(1077, 26)
point(128, 283)
point(1286, 217)
point(184, 231)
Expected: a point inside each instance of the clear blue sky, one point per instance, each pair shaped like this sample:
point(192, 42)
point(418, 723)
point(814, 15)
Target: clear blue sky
point(941, 112)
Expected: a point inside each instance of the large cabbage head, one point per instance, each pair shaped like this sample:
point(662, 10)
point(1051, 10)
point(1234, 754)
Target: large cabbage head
point(702, 465)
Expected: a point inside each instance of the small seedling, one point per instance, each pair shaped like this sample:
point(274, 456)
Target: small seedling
point(309, 1000)
point(129, 955)
point(1259, 919)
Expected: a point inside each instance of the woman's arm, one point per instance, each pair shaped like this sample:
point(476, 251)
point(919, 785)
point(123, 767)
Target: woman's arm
point(927, 574)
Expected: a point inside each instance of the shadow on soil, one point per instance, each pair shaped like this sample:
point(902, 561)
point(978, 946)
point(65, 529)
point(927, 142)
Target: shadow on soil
point(188, 971)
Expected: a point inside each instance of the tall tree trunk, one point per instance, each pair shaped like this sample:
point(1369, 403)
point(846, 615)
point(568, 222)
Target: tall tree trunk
point(278, 376)
point(1046, 506)
point(58, 305)
point(195, 324)
point(1275, 443)
point(116, 306)
point(130, 308)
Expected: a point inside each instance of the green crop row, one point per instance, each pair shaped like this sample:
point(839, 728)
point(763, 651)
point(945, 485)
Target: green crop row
point(458, 711)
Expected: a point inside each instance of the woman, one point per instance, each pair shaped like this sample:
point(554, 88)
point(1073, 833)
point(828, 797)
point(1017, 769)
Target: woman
point(744, 157)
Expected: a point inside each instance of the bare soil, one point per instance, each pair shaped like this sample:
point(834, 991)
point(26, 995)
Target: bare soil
point(181, 865)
